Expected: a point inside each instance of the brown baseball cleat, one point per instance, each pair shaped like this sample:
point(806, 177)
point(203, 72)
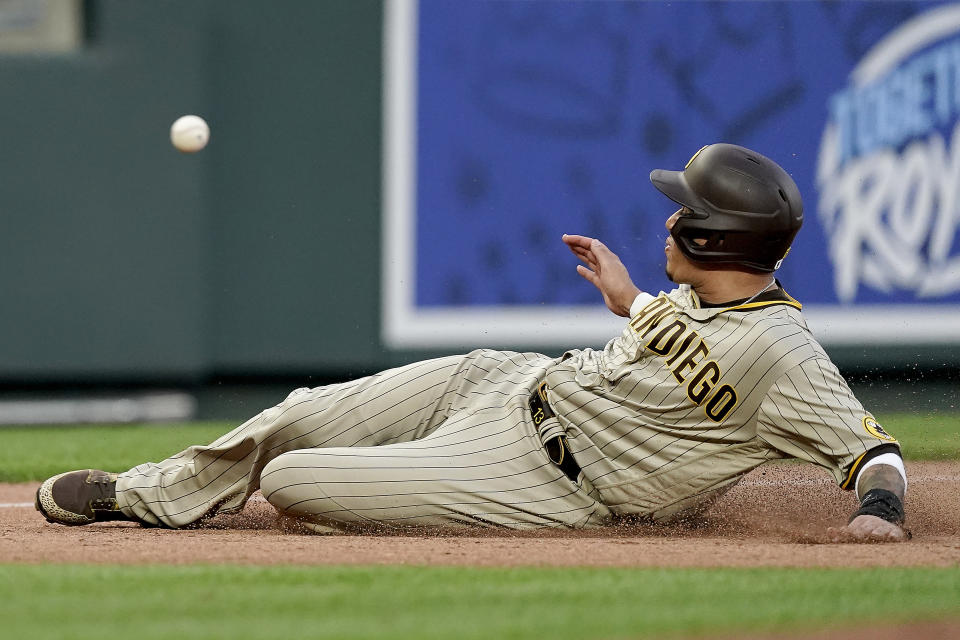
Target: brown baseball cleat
point(80, 497)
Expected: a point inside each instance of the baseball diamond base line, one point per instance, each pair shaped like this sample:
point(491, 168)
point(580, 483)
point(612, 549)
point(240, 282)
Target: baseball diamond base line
point(777, 516)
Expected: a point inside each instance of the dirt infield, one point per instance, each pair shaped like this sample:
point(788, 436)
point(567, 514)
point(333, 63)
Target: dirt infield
point(777, 516)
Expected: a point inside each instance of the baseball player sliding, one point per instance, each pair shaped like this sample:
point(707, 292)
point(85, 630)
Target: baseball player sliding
point(705, 383)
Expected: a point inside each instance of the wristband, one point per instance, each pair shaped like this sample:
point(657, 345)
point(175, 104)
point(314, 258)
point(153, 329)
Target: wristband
point(883, 504)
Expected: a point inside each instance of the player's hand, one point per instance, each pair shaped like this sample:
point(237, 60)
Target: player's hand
point(868, 529)
point(604, 270)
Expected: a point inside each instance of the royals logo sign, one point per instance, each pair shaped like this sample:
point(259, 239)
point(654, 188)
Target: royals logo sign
point(510, 123)
point(889, 165)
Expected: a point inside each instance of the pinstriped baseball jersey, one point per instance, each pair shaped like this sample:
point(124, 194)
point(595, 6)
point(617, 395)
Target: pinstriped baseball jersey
point(688, 399)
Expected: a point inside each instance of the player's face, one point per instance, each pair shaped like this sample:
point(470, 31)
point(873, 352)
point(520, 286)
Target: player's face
point(680, 269)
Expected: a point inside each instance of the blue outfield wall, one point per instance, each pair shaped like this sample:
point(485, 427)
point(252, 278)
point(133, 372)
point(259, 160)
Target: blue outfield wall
point(529, 120)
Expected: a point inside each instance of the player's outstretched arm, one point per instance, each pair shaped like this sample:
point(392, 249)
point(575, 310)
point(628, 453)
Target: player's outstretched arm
point(880, 517)
point(602, 268)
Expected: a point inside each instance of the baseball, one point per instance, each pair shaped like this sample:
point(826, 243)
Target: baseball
point(189, 133)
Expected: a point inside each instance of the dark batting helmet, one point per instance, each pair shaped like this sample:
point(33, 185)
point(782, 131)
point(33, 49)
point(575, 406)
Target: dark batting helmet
point(744, 206)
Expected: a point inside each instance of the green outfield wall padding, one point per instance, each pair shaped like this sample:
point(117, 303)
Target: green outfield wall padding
point(125, 259)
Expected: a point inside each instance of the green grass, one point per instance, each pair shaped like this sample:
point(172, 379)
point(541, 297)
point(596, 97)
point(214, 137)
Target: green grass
point(35, 453)
point(925, 437)
point(424, 602)
point(183, 602)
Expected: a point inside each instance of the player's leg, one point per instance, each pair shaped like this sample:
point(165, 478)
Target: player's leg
point(484, 467)
point(392, 406)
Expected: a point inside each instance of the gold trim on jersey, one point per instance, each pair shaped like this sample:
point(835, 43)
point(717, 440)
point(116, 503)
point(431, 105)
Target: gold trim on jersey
point(854, 468)
point(756, 305)
point(785, 298)
point(848, 483)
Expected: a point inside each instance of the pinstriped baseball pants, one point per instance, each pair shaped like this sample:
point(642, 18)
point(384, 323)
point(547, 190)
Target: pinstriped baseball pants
point(440, 443)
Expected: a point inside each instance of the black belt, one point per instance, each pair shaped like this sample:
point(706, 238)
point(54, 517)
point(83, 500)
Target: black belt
point(556, 447)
